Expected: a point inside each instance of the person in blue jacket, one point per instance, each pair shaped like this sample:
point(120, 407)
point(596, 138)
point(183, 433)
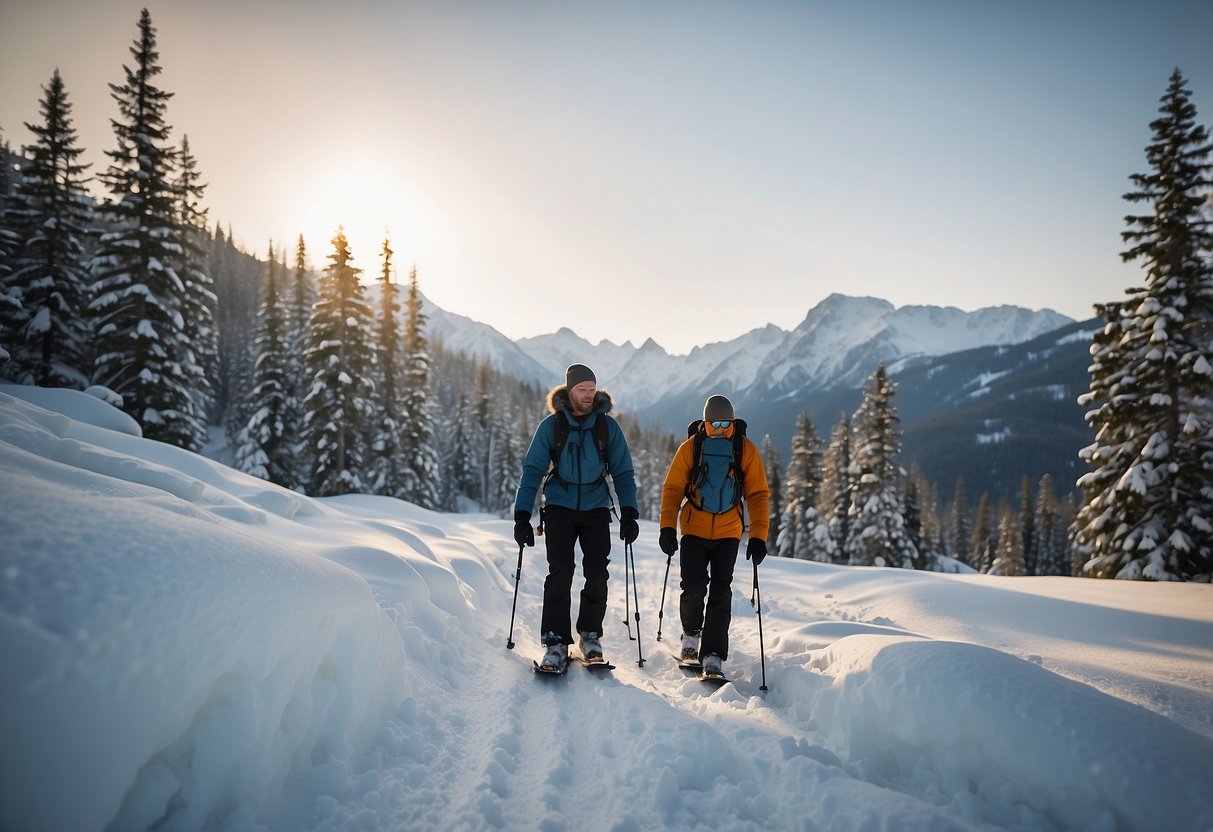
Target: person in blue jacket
point(577, 508)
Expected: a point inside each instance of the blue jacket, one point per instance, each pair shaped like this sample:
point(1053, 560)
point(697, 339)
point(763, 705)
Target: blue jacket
point(578, 483)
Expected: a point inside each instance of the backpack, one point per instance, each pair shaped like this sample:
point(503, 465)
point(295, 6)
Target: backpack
point(599, 433)
point(716, 484)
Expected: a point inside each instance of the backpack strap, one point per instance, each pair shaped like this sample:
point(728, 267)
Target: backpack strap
point(739, 428)
point(695, 434)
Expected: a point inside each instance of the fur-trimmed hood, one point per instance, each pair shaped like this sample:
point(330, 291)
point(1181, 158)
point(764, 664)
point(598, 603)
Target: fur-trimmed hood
point(558, 399)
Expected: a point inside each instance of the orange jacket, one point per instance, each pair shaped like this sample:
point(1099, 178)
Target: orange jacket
point(691, 520)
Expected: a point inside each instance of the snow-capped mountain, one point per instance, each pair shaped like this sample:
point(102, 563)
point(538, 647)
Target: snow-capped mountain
point(838, 344)
point(462, 334)
point(842, 339)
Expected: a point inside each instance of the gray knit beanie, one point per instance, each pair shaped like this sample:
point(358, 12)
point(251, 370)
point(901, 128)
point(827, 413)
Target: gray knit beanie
point(717, 408)
point(577, 373)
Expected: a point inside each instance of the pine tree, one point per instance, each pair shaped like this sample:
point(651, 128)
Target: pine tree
point(198, 301)
point(1027, 528)
point(387, 468)
point(878, 536)
point(456, 477)
point(421, 483)
point(301, 296)
point(507, 461)
point(1008, 559)
point(339, 364)
point(961, 533)
point(43, 323)
point(482, 441)
point(912, 512)
point(985, 541)
point(1050, 538)
point(1148, 495)
point(837, 486)
point(804, 533)
point(141, 348)
point(774, 469)
point(264, 448)
point(10, 303)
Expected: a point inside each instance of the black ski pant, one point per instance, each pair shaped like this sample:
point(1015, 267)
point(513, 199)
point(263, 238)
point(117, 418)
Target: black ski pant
point(707, 571)
point(562, 529)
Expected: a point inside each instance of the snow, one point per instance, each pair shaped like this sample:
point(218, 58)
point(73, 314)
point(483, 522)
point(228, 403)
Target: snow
point(187, 647)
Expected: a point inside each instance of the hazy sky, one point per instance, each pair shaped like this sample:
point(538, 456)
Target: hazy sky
point(682, 171)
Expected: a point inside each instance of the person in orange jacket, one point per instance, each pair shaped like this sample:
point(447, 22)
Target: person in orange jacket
point(703, 494)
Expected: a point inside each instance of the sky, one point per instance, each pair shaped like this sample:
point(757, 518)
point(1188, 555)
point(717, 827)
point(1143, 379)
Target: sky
point(681, 171)
point(187, 647)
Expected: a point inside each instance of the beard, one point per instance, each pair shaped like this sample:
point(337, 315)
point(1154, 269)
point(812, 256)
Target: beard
point(580, 411)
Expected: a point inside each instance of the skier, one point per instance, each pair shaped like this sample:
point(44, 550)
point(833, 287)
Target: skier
point(581, 445)
point(713, 471)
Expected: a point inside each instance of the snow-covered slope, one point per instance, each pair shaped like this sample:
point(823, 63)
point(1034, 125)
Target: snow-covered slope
point(184, 647)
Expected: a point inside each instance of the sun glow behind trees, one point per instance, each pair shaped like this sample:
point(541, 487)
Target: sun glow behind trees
point(370, 196)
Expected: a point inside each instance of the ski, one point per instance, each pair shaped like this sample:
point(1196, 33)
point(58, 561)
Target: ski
point(593, 664)
point(714, 678)
point(549, 671)
point(686, 664)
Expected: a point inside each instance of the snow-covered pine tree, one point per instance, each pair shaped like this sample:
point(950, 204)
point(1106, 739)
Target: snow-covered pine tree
point(421, 484)
point(804, 533)
point(1148, 499)
point(44, 323)
point(507, 460)
point(387, 466)
point(300, 297)
point(837, 486)
point(482, 440)
point(137, 305)
point(339, 366)
point(878, 536)
point(264, 449)
point(1008, 558)
point(774, 469)
point(912, 512)
point(10, 304)
point(1052, 557)
point(985, 536)
point(455, 477)
point(237, 278)
point(198, 301)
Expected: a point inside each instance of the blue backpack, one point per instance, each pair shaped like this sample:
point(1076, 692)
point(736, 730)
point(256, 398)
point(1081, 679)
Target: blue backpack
point(716, 484)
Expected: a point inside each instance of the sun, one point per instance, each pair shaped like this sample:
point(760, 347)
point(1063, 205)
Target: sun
point(370, 198)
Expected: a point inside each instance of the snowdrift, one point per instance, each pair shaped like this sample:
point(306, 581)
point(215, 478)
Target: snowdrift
point(186, 647)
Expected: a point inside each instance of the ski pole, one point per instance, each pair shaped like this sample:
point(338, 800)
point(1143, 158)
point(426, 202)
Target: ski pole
point(627, 602)
point(509, 641)
point(631, 555)
point(762, 652)
point(664, 584)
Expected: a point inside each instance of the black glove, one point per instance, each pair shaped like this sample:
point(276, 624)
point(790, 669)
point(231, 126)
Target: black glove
point(668, 541)
point(524, 535)
point(756, 549)
point(629, 529)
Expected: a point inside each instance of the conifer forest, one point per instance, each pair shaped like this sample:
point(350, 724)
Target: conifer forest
point(313, 369)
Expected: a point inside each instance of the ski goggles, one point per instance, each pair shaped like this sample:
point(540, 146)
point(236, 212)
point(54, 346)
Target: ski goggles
point(721, 424)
